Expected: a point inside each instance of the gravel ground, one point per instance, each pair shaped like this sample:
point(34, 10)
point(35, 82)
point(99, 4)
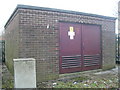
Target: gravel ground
point(91, 79)
point(7, 78)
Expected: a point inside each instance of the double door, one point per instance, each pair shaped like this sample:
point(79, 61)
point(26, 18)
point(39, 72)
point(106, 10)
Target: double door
point(79, 47)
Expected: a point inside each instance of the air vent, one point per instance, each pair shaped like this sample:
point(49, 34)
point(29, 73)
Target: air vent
point(71, 61)
point(91, 60)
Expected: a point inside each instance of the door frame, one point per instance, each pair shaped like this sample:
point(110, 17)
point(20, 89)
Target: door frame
point(100, 66)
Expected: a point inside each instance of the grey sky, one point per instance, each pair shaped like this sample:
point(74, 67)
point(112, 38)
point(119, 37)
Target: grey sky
point(101, 7)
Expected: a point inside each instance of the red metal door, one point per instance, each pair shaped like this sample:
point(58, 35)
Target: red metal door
point(91, 47)
point(79, 47)
point(70, 47)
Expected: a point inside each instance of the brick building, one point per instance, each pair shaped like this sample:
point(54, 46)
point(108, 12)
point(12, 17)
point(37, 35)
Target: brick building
point(36, 32)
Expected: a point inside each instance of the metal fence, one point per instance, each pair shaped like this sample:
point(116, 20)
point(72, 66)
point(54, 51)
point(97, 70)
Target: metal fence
point(2, 51)
point(118, 49)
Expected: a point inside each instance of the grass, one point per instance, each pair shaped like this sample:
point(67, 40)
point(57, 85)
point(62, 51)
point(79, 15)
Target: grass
point(80, 79)
point(90, 80)
point(7, 78)
point(80, 82)
point(83, 80)
point(7, 84)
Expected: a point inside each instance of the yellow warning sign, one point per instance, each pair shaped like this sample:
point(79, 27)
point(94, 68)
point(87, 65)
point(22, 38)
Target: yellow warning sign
point(71, 33)
point(71, 29)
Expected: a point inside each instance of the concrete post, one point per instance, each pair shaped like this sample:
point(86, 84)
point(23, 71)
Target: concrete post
point(24, 73)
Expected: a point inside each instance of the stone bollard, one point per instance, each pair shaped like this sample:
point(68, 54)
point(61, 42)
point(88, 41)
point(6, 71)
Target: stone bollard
point(24, 73)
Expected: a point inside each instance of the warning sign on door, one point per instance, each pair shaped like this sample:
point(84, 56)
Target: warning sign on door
point(71, 33)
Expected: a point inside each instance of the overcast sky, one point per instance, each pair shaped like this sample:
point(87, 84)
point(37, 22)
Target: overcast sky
point(101, 7)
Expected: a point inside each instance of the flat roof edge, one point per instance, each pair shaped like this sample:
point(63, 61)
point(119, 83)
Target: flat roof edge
point(19, 6)
point(64, 11)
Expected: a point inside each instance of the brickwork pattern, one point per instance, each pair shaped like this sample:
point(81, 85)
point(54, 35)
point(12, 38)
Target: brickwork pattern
point(39, 39)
